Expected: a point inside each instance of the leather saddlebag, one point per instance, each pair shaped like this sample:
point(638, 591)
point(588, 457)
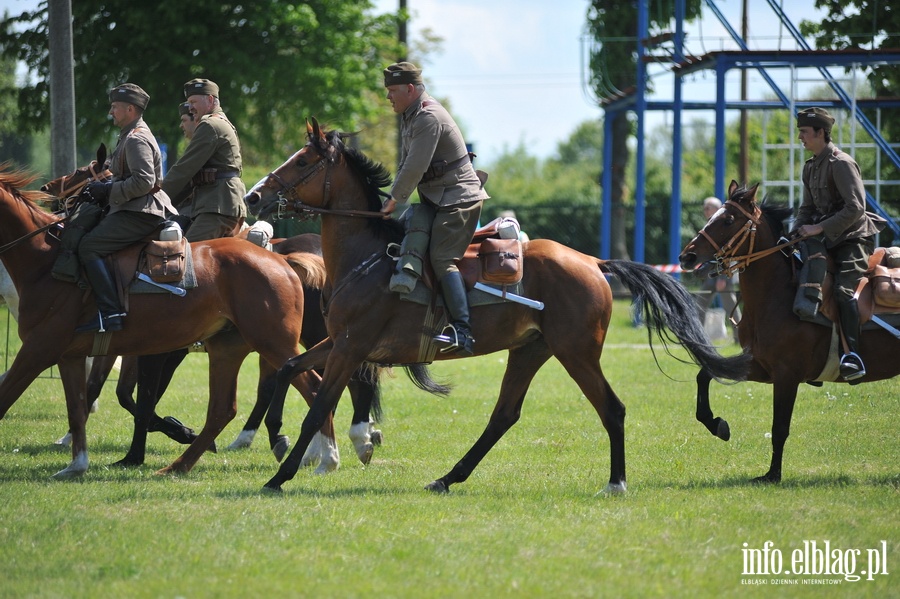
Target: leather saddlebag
point(886, 286)
point(165, 260)
point(501, 261)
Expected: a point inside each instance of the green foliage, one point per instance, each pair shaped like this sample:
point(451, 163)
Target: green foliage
point(276, 63)
point(527, 523)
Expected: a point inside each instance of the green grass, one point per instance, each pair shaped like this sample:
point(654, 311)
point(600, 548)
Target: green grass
point(527, 523)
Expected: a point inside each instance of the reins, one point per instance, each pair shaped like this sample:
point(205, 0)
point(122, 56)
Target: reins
point(294, 203)
point(28, 236)
point(726, 256)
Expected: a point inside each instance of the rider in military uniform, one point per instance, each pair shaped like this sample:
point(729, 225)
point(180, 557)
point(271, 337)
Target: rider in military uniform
point(435, 161)
point(137, 205)
point(211, 164)
point(833, 210)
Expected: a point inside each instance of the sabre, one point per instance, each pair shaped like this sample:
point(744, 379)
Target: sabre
point(886, 326)
point(170, 288)
point(510, 296)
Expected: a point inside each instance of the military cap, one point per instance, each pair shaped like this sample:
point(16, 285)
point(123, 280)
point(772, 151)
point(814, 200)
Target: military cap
point(200, 87)
point(131, 93)
point(184, 109)
point(815, 117)
point(401, 73)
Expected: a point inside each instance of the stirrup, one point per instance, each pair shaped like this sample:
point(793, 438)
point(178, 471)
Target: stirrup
point(852, 367)
point(455, 340)
point(103, 324)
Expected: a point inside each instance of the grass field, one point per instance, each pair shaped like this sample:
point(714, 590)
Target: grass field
point(527, 523)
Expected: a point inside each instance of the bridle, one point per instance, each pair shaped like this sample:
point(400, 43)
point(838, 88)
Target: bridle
point(95, 175)
point(726, 257)
point(290, 205)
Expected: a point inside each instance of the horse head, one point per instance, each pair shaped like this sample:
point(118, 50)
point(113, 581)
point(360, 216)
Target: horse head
point(729, 233)
point(323, 172)
point(71, 184)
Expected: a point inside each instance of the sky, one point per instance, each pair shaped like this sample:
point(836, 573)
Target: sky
point(511, 70)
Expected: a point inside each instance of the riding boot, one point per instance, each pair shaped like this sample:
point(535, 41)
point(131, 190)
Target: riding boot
point(109, 312)
point(456, 336)
point(851, 367)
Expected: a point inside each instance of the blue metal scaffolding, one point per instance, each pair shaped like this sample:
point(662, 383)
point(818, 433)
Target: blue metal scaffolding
point(720, 63)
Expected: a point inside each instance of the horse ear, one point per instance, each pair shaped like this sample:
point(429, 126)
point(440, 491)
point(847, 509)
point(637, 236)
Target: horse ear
point(752, 192)
point(101, 155)
point(732, 188)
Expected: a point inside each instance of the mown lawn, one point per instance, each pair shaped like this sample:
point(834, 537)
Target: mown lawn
point(527, 523)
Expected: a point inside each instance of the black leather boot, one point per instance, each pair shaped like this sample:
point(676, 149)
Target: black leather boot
point(457, 336)
point(109, 312)
point(852, 368)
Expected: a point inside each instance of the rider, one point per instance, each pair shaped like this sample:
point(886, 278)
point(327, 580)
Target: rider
point(211, 165)
point(435, 161)
point(137, 205)
point(833, 211)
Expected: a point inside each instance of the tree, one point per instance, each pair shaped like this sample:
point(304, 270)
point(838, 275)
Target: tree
point(276, 63)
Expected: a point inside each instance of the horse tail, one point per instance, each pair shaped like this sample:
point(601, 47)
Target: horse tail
point(663, 303)
point(421, 378)
point(309, 267)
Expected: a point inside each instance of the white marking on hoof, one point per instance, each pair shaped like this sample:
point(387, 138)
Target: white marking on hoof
point(614, 489)
point(362, 441)
point(65, 440)
point(329, 456)
point(244, 440)
point(78, 467)
point(313, 453)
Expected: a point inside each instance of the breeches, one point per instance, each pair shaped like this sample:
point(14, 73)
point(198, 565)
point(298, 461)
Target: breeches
point(116, 231)
point(851, 259)
point(211, 225)
point(451, 233)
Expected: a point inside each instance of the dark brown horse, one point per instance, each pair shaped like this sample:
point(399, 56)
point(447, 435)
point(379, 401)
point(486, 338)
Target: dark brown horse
point(234, 279)
point(786, 351)
point(368, 323)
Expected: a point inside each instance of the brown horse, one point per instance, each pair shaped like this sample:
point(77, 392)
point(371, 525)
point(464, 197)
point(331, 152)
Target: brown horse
point(234, 279)
point(366, 322)
point(786, 350)
point(152, 374)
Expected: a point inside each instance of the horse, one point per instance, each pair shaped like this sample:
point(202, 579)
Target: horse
point(156, 372)
point(234, 278)
point(787, 351)
point(343, 185)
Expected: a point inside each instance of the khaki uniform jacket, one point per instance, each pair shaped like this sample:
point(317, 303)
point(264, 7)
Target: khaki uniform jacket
point(136, 166)
point(215, 145)
point(835, 198)
point(429, 134)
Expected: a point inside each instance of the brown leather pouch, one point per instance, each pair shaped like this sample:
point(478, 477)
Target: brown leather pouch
point(501, 261)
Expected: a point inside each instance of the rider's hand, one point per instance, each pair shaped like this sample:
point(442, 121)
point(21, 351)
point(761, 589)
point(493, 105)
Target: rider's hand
point(98, 192)
point(810, 230)
point(388, 208)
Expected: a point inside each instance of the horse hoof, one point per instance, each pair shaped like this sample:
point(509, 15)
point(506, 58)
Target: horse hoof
point(212, 448)
point(281, 447)
point(766, 479)
point(437, 487)
point(618, 488)
point(376, 437)
point(65, 440)
point(365, 452)
point(723, 431)
point(127, 462)
point(244, 440)
point(273, 488)
point(68, 474)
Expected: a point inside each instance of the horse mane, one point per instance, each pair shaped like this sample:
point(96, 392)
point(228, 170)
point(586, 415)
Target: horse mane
point(14, 179)
point(374, 175)
point(775, 215)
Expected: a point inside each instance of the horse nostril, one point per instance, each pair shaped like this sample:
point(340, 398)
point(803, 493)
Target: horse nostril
point(252, 198)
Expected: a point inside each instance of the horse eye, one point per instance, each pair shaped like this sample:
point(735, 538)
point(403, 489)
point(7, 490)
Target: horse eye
point(729, 220)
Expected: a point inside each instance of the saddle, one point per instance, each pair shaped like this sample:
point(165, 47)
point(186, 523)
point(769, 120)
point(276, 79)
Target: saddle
point(878, 292)
point(494, 256)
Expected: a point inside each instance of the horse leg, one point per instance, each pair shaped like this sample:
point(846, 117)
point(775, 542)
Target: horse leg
point(784, 396)
point(364, 392)
point(584, 368)
point(100, 367)
point(171, 426)
point(522, 365)
point(149, 372)
point(264, 389)
point(323, 449)
point(717, 426)
point(71, 371)
point(226, 354)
